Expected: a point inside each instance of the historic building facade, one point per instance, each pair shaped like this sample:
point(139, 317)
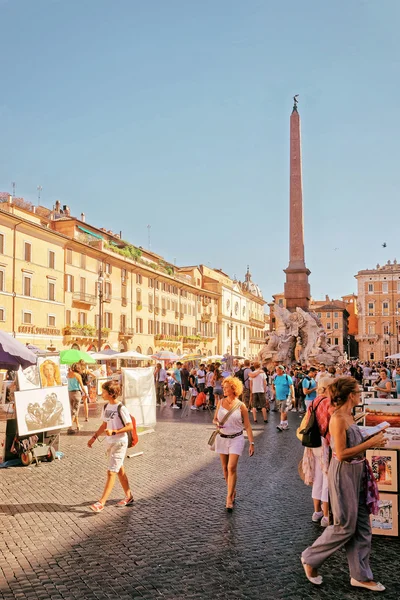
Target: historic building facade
point(379, 311)
point(65, 283)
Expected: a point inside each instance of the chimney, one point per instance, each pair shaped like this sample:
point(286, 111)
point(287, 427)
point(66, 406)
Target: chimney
point(326, 298)
point(83, 217)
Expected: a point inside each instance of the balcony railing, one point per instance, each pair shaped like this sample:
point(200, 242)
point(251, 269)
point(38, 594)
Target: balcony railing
point(85, 332)
point(256, 322)
point(84, 298)
point(126, 332)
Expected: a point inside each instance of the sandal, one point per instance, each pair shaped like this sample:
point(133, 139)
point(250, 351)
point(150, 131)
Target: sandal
point(125, 502)
point(377, 587)
point(97, 507)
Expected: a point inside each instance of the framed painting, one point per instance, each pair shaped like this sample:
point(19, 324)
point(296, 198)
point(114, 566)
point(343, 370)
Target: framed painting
point(28, 379)
point(384, 467)
point(42, 410)
point(386, 522)
point(377, 412)
point(49, 369)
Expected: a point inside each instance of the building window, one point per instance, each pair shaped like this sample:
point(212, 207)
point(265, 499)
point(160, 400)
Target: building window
point(82, 318)
point(336, 315)
point(328, 325)
point(151, 302)
point(150, 326)
point(27, 252)
point(51, 290)
point(1, 243)
point(386, 329)
point(27, 318)
point(107, 268)
point(385, 309)
point(2, 280)
point(69, 283)
point(385, 287)
point(52, 259)
point(371, 356)
point(280, 302)
point(107, 291)
point(51, 320)
point(151, 282)
point(371, 328)
point(139, 297)
point(370, 288)
point(83, 261)
point(27, 285)
point(68, 256)
point(139, 325)
point(244, 334)
point(328, 315)
point(319, 315)
point(124, 276)
point(108, 320)
point(336, 341)
point(370, 309)
point(68, 317)
point(336, 326)
point(139, 279)
point(2, 314)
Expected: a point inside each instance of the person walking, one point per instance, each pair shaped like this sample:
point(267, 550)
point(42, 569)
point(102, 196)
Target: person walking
point(116, 423)
point(201, 378)
point(160, 379)
point(258, 385)
point(209, 386)
point(217, 385)
point(283, 390)
point(75, 392)
point(176, 376)
point(229, 443)
point(86, 377)
point(352, 492)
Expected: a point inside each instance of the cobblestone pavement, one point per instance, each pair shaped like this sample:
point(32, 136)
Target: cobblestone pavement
point(177, 541)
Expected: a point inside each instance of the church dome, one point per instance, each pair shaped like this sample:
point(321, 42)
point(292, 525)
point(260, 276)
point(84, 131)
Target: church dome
point(250, 286)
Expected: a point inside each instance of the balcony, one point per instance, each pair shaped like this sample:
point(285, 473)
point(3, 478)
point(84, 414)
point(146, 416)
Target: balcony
point(162, 339)
point(365, 337)
point(84, 298)
point(126, 332)
point(256, 322)
point(83, 333)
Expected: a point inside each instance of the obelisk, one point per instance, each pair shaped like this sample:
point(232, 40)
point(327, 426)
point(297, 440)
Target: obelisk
point(297, 288)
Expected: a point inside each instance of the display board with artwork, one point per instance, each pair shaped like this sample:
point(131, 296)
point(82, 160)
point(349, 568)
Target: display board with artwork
point(42, 410)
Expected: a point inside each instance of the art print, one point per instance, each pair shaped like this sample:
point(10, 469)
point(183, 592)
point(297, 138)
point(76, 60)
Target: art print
point(378, 412)
point(49, 368)
point(42, 410)
point(384, 468)
point(28, 379)
point(386, 522)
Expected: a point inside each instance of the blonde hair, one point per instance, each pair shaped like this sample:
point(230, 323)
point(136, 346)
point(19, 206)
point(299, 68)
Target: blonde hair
point(56, 371)
point(323, 384)
point(235, 384)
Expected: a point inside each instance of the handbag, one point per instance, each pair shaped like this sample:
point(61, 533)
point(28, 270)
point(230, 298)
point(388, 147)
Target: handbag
point(211, 441)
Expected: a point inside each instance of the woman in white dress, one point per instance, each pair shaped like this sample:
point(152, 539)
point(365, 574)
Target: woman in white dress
point(229, 443)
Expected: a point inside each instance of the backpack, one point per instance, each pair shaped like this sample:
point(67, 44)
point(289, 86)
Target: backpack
point(308, 432)
point(132, 435)
point(240, 375)
point(200, 400)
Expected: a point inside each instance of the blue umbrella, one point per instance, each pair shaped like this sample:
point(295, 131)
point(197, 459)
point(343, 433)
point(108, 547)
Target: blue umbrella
point(14, 354)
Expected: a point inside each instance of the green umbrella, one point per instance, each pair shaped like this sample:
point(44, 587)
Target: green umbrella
point(69, 357)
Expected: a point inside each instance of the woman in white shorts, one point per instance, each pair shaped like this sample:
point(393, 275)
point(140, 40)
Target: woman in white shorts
point(229, 443)
point(116, 423)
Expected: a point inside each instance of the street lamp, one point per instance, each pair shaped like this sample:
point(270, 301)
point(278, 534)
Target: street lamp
point(100, 282)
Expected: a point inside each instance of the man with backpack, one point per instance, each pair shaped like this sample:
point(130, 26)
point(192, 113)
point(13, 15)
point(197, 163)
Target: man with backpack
point(310, 386)
point(283, 390)
point(246, 383)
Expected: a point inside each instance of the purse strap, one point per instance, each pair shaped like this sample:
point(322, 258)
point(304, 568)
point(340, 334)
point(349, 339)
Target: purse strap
point(228, 414)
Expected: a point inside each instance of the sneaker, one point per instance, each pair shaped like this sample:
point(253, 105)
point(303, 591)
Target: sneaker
point(324, 522)
point(193, 408)
point(175, 406)
point(125, 502)
point(285, 427)
point(317, 516)
point(279, 427)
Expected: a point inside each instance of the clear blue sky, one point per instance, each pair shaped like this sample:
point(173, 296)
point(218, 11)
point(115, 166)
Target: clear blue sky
point(176, 113)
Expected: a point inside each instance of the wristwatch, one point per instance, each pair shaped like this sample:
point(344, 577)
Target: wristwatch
point(114, 433)
point(251, 443)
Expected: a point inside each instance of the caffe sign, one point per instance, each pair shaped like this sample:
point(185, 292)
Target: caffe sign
point(33, 330)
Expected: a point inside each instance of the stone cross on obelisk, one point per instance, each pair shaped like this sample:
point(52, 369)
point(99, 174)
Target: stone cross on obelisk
point(297, 288)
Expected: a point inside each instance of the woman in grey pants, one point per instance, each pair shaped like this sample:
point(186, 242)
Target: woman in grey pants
point(346, 478)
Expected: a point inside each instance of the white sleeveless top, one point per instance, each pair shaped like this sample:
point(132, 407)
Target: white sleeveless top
point(234, 424)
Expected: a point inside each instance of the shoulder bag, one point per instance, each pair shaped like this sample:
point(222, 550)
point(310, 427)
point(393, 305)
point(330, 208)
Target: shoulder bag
point(211, 441)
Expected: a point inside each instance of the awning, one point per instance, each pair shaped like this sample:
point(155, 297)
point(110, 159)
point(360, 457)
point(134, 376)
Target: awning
point(96, 235)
